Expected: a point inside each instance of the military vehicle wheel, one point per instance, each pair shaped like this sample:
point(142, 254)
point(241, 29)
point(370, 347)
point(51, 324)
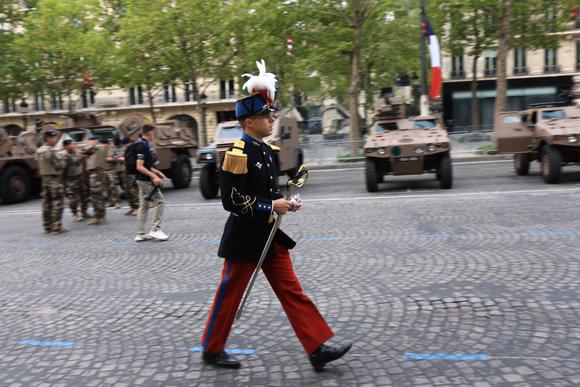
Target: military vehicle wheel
point(372, 175)
point(208, 182)
point(15, 185)
point(445, 172)
point(181, 172)
point(551, 164)
point(522, 163)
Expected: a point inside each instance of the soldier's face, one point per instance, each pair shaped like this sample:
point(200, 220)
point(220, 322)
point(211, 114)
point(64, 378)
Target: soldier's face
point(260, 126)
point(51, 140)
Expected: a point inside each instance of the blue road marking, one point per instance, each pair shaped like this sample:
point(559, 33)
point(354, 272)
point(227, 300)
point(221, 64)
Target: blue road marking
point(557, 233)
point(210, 241)
point(431, 235)
point(319, 239)
point(231, 351)
point(444, 356)
point(122, 242)
point(39, 343)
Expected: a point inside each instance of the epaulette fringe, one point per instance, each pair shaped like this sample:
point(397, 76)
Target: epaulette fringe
point(236, 161)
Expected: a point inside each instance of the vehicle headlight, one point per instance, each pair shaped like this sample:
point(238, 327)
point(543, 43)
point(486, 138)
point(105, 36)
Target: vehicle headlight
point(431, 147)
point(419, 150)
point(572, 139)
point(207, 156)
point(381, 151)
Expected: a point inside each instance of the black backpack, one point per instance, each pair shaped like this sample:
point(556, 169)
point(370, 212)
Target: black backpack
point(131, 159)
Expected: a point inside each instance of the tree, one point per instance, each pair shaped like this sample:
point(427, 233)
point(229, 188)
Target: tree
point(534, 25)
point(342, 36)
point(60, 43)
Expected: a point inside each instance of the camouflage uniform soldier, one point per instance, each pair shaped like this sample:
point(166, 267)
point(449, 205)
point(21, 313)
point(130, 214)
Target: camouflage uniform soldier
point(129, 182)
point(50, 168)
point(111, 176)
point(74, 180)
point(95, 167)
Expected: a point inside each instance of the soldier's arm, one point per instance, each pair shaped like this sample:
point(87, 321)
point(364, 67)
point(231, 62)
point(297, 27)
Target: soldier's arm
point(233, 177)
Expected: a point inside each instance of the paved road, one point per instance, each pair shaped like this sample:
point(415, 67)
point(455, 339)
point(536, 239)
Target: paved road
point(475, 286)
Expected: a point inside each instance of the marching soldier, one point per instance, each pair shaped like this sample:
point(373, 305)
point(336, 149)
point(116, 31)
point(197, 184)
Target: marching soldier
point(129, 181)
point(50, 168)
point(250, 192)
point(74, 181)
point(96, 163)
point(111, 176)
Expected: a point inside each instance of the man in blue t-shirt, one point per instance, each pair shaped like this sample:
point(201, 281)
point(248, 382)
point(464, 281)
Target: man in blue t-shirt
point(149, 181)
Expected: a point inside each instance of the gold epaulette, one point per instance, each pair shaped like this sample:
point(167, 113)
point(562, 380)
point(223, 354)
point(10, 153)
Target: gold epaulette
point(275, 148)
point(236, 161)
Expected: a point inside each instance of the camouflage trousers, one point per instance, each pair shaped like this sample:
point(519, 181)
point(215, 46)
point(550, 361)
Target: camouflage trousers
point(52, 206)
point(111, 184)
point(77, 194)
point(131, 190)
point(97, 185)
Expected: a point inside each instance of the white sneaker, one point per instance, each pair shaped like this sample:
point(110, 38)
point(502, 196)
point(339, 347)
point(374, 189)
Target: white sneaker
point(142, 237)
point(159, 235)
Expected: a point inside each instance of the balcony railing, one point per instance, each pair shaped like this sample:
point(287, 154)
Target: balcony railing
point(552, 69)
point(111, 103)
point(458, 74)
point(520, 70)
point(489, 72)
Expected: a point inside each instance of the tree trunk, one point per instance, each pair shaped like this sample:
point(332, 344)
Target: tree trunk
point(474, 101)
point(150, 97)
point(502, 52)
point(354, 91)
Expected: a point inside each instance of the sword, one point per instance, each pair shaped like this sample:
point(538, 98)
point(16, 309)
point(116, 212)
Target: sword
point(297, 181)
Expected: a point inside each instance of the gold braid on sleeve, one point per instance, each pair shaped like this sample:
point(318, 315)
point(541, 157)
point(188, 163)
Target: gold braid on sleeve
point(246, 202)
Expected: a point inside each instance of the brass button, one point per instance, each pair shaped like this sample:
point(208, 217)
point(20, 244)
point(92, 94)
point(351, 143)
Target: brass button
point(271, 178)
point(270, 189)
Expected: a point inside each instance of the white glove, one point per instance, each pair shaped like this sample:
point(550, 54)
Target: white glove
point(295, 202)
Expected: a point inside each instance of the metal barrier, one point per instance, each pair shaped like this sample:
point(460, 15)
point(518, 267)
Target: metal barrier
point(318, 150)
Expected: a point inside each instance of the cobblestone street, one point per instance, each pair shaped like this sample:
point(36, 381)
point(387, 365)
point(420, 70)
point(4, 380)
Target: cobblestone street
point(474, 286)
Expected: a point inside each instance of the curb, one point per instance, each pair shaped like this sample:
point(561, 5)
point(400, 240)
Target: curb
point(360, 163)
point(456, 158)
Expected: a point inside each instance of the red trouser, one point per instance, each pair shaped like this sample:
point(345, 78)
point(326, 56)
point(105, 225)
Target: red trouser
point(309, 325)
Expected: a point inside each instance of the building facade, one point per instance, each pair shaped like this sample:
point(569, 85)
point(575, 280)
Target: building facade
point(170, 102)
point(534, 76)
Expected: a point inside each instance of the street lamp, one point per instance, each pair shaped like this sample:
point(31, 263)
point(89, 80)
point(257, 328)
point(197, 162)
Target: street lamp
point(202, 99)
point(24, 111)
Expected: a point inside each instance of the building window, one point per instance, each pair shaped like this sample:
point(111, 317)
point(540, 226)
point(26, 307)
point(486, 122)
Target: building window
point(457, 66)
point(227, 89)
point(169, 94)
point(520, 65)
point(88, 97)
point(551, 60)
point(578, 55)
point(9, 105)
point(136, 95)
point(189, 91)
point(56, 101)
point(490, 57)
point(39, 101)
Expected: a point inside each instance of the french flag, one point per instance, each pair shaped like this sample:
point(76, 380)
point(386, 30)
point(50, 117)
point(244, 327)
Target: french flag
point(435, 54)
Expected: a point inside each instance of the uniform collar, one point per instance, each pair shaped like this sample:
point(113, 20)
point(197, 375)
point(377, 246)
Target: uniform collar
point(251, 140)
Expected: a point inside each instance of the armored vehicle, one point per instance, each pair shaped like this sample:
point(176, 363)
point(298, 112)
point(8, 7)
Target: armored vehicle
point(284, 140)
point(548, 133)
point(396, 145)
point(18, 168)
point(174, 147)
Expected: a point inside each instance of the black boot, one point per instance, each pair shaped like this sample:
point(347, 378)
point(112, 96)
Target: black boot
point(325, 354)
point(221, 360)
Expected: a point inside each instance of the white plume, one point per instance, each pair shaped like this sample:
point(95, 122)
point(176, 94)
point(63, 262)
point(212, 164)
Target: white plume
point(262, 82)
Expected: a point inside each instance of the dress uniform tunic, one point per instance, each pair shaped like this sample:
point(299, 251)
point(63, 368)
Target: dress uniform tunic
point(248, 182)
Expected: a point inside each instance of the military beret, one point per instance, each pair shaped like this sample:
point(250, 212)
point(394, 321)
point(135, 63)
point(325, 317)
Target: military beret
point(125, 140)
point(50, 133)
point(94, 138)
point(67, 142)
